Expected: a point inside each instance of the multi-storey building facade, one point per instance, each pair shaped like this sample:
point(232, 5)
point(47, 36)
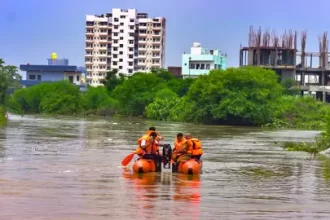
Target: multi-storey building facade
point(124, 40)
point(201, 60)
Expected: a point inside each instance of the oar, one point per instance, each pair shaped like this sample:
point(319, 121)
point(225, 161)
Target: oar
point(129, 157)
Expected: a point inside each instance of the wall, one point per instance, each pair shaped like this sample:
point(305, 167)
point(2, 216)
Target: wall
point(202, 59)
point(287, 74)
point(75, 80)
point(129, 14)
point(46, 76)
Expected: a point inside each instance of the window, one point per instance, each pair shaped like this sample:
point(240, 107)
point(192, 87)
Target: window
point(121, 38)
point(131, 34)
point(115, 56)
point(122, 24)
point(115, 41)
point(120, 60)
point(32, 77)
point(121, 52)
point(39, 77)
point(116, 19)
point(130, 71)
point(115, 49)
point(121, 45)
point(122, 16)
point(71, 79)
point(114, 63)
point(192, 66)
point(130, 56)
point(131, 20)
point(115, 34)
point(131, 42)
point(197, 66)
point(207, 66)
point(131, 27)
point(115, 27)
point(120, 67)
point(78, 78)
point(121, 31)
point(131, 49)
point(202, 66)
point(130, 63)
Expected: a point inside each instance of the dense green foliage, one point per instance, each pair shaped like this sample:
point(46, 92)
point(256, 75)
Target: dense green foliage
point(9, 79)
point(303, 112)
point(322, 141)
point(241, 96)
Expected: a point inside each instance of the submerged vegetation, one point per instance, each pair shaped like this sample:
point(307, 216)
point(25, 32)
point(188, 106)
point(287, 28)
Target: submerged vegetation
point(322, 141)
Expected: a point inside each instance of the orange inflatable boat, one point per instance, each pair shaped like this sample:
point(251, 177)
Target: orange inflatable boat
point(154, 163)
point(146, 166)
point(192, 166)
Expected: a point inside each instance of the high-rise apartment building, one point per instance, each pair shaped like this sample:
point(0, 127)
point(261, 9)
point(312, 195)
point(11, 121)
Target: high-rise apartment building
point(124, 40)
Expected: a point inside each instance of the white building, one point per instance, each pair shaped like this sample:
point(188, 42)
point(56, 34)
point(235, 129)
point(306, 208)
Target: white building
point(124, 40)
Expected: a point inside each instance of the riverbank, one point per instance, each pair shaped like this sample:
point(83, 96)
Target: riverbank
point(209, 99)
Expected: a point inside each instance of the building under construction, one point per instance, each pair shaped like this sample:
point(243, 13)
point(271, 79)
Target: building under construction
point(280, 53)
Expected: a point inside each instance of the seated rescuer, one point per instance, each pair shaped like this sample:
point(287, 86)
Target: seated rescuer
point(159, 136)
point(147, 147)
point(178, 147)
point(195, 147)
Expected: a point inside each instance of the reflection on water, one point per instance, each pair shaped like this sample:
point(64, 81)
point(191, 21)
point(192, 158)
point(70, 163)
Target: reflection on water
point(182, 189)
point(66, 168)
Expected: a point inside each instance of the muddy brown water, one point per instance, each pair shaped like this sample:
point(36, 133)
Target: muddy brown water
point(69, 168)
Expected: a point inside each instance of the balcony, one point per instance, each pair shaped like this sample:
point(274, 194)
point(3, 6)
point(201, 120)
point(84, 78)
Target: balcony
point(88, 55)
point(103, 25)
point(104, 40)
point(104, 55)
point(104, 33)
point(89, 33)
point(142, 56)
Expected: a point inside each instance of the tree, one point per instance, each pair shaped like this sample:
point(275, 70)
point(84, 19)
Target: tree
point(160, 108)
point(137, 92)
point(113, 79)
point(9, 78)
point(245, 95)
point(290, 87)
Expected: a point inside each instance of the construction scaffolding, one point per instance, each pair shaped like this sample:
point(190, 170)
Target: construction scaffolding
point(280, 53)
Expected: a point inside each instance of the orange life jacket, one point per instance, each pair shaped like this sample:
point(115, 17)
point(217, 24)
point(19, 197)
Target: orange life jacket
point(158, 138)
point(196, 147)
point(178, 145)
point(151, 147)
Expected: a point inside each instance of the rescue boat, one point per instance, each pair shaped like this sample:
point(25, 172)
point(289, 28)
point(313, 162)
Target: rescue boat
point(192, 166)
point(146, 166)
point(153, 165)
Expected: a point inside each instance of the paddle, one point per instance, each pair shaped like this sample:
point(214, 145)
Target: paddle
point(129, 157)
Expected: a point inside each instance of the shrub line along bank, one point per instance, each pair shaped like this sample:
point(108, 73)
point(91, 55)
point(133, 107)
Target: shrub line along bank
point(236, 96)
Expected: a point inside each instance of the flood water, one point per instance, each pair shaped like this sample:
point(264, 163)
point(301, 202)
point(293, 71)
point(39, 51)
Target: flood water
point(66, 168)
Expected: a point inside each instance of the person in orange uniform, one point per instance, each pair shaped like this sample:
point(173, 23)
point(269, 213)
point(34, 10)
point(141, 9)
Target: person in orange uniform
point(178, 150)
point(159, 136)
point(148, 146)
point(194, 147)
